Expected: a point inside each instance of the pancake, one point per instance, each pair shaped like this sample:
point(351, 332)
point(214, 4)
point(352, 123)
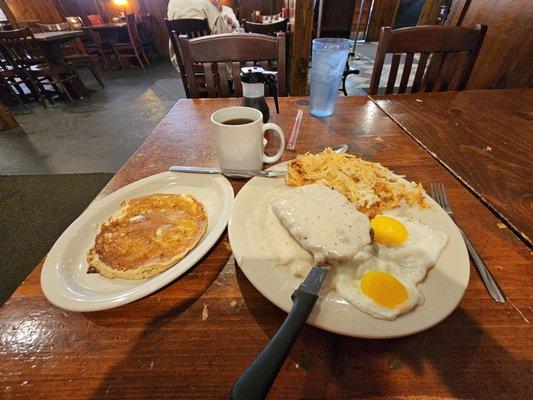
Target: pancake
point(148, 235)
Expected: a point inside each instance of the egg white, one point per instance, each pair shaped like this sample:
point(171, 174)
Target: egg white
point(347, 283)
point(417, 254)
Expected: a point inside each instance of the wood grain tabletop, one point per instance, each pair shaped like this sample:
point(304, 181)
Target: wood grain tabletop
point(194, 337)
point(484, 137)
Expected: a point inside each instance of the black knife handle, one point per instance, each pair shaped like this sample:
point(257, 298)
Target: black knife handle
point(256, 380)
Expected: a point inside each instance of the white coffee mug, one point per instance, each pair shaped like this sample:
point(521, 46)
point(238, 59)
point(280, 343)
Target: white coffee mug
point(242, 147)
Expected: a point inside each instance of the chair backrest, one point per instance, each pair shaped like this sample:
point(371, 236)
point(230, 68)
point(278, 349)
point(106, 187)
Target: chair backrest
point(75, 22)
point(95, 20)
point(133, 31)
point(63, 26)
point(6, 25)
point(266, 29)
point(147, 27)
point(191, 28)
point(215, 52)
point(452, 51)
point(20, 48)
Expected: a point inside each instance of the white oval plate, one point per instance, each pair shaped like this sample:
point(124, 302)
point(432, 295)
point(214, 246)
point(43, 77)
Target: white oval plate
point(443, 287)
point(64, 278)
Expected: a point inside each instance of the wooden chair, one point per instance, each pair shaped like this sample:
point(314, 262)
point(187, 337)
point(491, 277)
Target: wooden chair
point(266, 29)
point(453, 51)
point(95, 20)
point(191, 28)
point(92, 43)
point(74, 50)
point(13, 77)
point(214, 52)
point(22, 51)
point(133, 48)
point(75, 22)
point(6, 25)
point(147, 37)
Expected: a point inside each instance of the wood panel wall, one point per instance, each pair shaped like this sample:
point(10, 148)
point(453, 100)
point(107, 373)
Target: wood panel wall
point(158, 10)
point(267, 7)
point(301, 19)
point(383, 14)
point(337, 17)
point(365, 15)
point(46, 11)
point(106, 8)
point(430, 12)
point(505, 58)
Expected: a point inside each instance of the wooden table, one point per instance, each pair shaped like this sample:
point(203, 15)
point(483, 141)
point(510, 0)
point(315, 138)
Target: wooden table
point(193, 338)
point(485, 138)
point(50, 44)
point(113, 32)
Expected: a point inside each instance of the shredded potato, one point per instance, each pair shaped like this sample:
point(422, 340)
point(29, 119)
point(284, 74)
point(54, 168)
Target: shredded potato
point(371, 187)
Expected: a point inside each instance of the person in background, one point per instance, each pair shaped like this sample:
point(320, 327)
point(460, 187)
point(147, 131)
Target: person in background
point(196, 9)
point(228, 15)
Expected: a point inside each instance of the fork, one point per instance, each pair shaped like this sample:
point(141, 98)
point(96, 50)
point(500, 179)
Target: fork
point(439, 195)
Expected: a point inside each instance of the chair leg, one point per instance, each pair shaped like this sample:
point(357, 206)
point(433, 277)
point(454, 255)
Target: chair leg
point(138, 58)
point(106, 62)
point(34, 89)
point(119, 58)
point(143, 52)
point(81, 89)
point(57, 80)
point(16, 93)
point(148, 53)
point(95, 73)
point(40, 85)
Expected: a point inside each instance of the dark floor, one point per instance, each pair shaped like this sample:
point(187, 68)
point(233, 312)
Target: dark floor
point(26, 229)
point(99, 133)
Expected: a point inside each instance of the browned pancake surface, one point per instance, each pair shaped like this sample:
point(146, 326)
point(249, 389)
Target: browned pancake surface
point(147, 231)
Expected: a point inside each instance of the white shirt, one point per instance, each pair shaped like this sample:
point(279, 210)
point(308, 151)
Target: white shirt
point(227, 13)
point(195, 9)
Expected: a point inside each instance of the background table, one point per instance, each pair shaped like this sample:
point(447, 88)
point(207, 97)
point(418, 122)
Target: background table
point(193, 338)
point(50, 44)
point(113, 32)
point(484, 137)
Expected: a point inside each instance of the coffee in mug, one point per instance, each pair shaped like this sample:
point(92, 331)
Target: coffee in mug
point(239, 136)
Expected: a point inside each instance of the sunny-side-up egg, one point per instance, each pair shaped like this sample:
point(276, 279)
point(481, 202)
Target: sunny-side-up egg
point(374, 290)
point(410, 244)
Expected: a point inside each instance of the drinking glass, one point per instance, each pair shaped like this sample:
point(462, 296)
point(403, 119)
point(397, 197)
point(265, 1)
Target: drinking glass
point(329, 59)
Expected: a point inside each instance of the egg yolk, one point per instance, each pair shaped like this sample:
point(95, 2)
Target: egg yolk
point(384, 289)
point(388, 231)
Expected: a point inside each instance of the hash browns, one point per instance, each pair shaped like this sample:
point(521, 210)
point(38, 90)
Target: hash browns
point(371, 187)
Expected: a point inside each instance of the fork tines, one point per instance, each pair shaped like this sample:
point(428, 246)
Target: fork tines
point(439, 195)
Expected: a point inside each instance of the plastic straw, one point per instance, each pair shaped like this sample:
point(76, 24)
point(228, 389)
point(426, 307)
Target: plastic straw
point(295, 130)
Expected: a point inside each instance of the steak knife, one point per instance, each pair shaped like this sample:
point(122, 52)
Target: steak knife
point(229, 172)
point(243, 172)
point(256, 380)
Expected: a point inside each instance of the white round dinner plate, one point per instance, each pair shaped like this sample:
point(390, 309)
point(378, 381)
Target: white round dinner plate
point(443, 287)
point(64, 278)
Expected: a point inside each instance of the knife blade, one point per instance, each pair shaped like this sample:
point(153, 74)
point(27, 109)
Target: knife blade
point(229, 172)
point(242, 173)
